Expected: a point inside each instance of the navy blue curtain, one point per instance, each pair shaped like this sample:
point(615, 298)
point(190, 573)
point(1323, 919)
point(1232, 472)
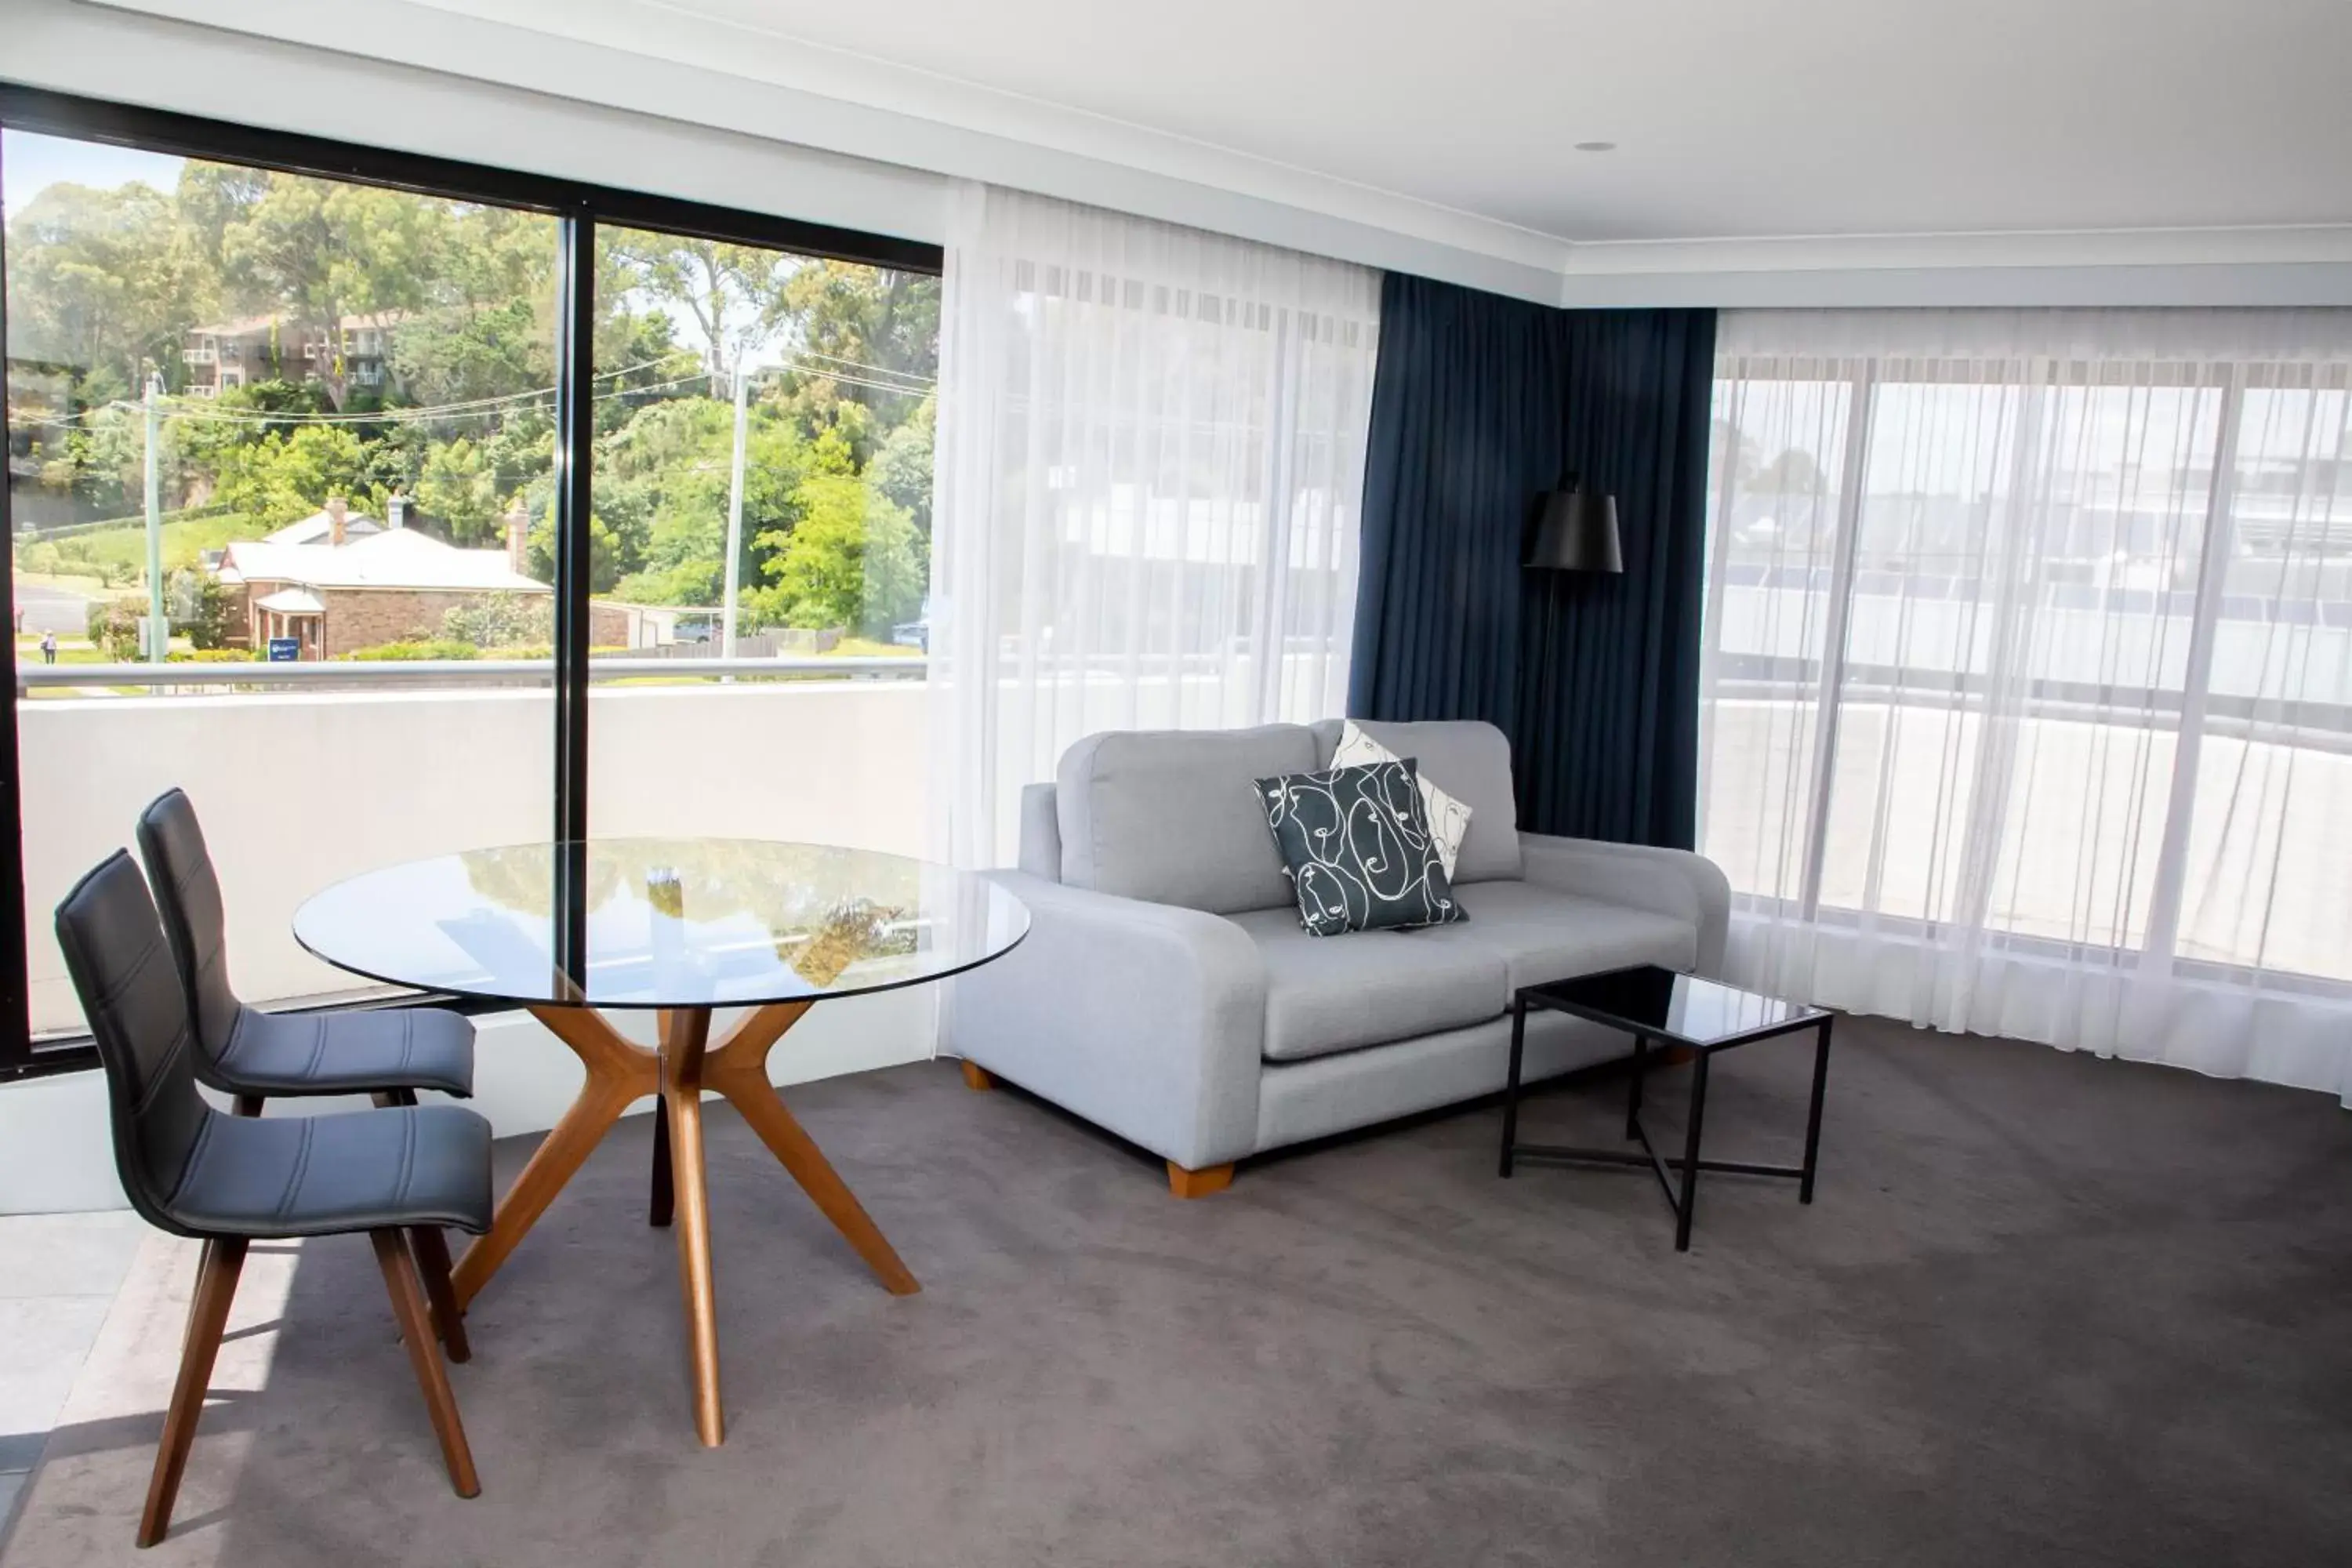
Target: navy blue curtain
point(1479, 403)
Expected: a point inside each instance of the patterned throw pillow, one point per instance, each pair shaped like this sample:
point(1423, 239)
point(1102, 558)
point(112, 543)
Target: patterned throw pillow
point(1449, 819)
point(1356, 845)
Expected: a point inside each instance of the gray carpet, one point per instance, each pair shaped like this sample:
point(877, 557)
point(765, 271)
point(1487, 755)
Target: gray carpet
point(2046, 1310)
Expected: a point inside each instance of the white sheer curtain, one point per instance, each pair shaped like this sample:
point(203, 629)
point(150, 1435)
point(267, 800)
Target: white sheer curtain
point(1151, 451)
point(2026, 705)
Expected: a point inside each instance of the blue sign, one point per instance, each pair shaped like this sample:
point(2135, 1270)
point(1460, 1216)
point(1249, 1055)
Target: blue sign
point(285, 650)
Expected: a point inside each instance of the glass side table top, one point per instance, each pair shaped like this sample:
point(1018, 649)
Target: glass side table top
point(661, 922)
point(1682, 1008)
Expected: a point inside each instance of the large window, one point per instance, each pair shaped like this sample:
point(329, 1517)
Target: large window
point(2029, 696)
point(339, 479)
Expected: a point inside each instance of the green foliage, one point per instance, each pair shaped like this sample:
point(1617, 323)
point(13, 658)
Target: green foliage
point(114, 628)
point(500, 621)
point(458, 489)
point(204, 612)
point(854, 560)
point(414, 649)
point(285, 476)
point(836, 504)
point(211, 655)
point(118, 553)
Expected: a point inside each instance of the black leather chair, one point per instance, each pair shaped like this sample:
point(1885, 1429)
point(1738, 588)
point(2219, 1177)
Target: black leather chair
point(255, 1055)
point(387, 1053)
point(231, 1179)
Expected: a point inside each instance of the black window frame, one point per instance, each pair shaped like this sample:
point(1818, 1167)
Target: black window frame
point(580, 206)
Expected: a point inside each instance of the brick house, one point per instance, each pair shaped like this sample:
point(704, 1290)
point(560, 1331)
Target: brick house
point(262, 348)
point(347, 588)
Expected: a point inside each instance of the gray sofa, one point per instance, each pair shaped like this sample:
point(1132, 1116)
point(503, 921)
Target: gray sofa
point(1167, 992)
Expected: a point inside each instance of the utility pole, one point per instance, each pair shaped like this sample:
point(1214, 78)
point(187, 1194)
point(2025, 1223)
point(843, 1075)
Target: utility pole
point(159, 635)
point(734, 518)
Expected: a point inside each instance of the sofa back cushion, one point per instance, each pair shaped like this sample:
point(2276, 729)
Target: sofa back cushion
point(1173, 816)
point(1469, 760)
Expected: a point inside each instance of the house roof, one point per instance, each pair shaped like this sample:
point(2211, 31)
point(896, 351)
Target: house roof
point(395, 558)
point(317, 528)
point(292, 602)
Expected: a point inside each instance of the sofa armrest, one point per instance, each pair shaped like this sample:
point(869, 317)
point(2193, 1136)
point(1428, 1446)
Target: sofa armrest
point(1144, 1018)
point(1666, 881)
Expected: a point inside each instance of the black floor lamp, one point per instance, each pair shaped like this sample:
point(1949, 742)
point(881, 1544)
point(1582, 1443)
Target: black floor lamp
point(1575, 530)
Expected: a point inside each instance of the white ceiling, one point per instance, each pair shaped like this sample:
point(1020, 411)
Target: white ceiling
point(1769, 151)
point(1734, 118)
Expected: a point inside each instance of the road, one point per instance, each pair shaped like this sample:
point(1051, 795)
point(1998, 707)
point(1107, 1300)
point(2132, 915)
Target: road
point(44, 607)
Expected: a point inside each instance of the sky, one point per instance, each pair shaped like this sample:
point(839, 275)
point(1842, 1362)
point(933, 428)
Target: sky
point(30, 164)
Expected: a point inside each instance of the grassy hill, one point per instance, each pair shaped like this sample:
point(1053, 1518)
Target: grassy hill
point(116, 555)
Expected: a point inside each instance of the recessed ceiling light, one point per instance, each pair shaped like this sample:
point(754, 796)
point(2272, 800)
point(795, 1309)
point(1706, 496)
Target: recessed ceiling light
point(1596, 146)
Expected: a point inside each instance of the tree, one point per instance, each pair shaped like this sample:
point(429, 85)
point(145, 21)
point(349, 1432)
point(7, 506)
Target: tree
point(852, 561)
point(501, 620)
point(200, 604)
point(325, 251)
point(102, 281)
point(458, 488)
point(871, 325)
point(902, 469)
point(287, 476)
point(734, 294)
point(114, 628)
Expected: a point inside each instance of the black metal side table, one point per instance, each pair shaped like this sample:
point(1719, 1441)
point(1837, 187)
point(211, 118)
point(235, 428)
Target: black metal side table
point(1704, 1015)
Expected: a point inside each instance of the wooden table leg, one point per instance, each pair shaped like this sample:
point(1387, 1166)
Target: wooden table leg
point(682, 1069)
point(619, 1073)
point(738, 1069)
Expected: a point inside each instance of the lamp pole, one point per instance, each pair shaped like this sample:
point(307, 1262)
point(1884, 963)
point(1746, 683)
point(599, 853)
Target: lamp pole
point(159, 638)
point(734, 518)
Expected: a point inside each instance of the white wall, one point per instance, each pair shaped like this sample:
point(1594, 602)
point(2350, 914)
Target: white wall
point(298, 790)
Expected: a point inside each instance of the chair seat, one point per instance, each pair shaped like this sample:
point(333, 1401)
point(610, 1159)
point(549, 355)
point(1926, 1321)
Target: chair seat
point(346, 1053)
point(320, 1175)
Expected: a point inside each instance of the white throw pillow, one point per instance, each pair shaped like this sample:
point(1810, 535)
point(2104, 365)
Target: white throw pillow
point(1449, 819)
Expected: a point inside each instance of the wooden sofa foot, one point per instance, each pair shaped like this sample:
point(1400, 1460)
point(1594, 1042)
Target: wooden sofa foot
point(1198, 1183)
point(976, 1078)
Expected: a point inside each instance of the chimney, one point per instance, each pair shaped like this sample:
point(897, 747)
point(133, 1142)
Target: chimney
point(336, 511)
point(518, 537)
point(395, 511)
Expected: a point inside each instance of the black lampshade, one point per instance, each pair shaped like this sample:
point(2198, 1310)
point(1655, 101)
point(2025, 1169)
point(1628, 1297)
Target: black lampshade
point(1575, 530)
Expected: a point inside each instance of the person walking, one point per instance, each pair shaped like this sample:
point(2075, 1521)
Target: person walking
point(49, 647)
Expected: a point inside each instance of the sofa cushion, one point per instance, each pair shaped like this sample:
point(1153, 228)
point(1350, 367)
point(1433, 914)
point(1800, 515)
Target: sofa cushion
point(1469, 760)
point(1173, 816)
point(1539, 935)
point(1357, 847)
point(1449, 819)
point(1335, 993)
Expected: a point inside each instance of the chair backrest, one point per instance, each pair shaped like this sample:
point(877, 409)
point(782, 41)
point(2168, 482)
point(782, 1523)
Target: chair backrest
point(130, 993)
point(188, 896)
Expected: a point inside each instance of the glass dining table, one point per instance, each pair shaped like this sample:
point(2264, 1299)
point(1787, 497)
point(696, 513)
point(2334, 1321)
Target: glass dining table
point(680, 927)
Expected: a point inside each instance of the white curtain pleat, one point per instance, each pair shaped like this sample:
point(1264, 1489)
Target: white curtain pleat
point(2027, 702)
point(1150, 457)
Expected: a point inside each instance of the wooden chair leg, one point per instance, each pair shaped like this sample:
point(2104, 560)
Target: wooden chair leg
point(976, 1076)
point(248, 1105)
point(663, 1205)
point(423, 1354)
point(207, 1316)
point(1198, 1183)
point(432, 1250)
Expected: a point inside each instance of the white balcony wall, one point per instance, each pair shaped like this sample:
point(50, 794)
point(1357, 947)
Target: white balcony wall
point(298, 790)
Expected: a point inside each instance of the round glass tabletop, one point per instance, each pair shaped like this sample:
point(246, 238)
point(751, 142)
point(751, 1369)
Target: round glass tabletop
point(661, 922)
